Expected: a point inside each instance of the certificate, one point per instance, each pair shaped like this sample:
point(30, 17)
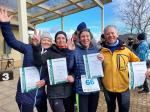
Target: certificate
point(89, 85)
point(137, 72)
point(28, 77)
point(93, 66)
point(57, 69)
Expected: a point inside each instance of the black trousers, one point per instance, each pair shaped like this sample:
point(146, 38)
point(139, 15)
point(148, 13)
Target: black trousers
point(122, 98)
point(145, 86)
point(88, 103)
point(62, 104)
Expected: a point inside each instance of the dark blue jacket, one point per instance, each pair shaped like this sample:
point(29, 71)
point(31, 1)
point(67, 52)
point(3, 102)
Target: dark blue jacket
point(75, 64)
point(26, 49)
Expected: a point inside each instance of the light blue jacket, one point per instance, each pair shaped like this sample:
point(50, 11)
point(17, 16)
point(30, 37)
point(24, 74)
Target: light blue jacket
point(142, 50)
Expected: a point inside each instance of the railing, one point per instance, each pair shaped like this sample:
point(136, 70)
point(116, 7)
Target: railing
point(6, 63)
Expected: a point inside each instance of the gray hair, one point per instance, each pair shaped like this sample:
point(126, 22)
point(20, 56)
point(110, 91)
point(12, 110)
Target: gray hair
point(110, 26)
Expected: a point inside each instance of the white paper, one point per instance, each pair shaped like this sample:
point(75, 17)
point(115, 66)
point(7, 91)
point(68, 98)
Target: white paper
point(57, 69)
point(137, 72)
point(93, 66)
point(89, 85)
point(29, 76)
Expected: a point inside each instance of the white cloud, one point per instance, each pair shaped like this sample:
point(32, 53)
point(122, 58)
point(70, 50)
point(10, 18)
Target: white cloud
point(69, 33)
point(96, 36)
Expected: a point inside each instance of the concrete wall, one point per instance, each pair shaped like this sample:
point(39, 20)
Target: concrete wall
point(14, 54)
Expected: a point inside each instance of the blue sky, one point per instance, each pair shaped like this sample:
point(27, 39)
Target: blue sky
point(111, 17)
point(91, 17)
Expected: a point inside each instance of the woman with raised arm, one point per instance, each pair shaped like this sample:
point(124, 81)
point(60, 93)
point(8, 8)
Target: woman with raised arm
point(25, 101)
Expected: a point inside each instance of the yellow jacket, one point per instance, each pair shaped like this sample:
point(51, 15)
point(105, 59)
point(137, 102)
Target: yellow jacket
point(116, 78)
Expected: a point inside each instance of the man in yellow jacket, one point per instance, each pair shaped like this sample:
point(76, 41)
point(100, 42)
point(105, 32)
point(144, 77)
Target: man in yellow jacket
point(115, 64)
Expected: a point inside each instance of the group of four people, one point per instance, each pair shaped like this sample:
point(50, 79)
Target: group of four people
point(114, 55)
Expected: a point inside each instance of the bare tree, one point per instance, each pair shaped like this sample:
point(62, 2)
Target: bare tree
point(135, 14)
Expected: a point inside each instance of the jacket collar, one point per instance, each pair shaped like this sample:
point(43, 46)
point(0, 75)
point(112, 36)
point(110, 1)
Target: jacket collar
point(121, 45)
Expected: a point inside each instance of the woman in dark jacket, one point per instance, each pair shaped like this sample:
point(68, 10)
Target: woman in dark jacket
point(59, 95)
point(25, 101)
point(88, 101)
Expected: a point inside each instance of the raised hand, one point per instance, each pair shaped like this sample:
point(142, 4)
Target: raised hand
point(4, 15)
point(70, 44)
point(36, 38)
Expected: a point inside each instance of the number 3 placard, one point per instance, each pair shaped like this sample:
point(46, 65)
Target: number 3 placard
point(6, 75)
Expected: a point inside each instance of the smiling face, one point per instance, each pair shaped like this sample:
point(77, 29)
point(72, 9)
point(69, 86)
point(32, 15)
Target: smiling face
point(111, 35)
point(46, 42)
point(85, 39)
point(61, 40)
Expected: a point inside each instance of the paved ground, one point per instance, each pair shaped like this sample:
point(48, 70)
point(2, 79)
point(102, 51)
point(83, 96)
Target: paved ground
point(139, 102)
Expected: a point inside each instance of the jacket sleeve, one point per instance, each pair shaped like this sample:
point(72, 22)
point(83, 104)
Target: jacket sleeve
point(133, 57)
point(70, 62)
point(40, 59)
point(38, 62)
point(37, 55)
point(10, 38)
point(142, 51)
point(44, 74)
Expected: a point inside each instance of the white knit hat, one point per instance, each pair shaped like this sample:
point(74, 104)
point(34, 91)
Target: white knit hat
point(45, 34)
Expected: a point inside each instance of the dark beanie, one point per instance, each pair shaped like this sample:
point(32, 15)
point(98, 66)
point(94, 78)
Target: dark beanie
point(141, 36)
point(60, 32)
point(81, 26)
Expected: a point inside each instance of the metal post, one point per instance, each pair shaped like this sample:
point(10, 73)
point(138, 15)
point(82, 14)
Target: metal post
point(62, 23)
point(22, 18)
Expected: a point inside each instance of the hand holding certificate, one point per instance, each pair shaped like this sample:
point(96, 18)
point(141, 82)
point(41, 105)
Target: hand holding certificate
point(93, 66)
point(29, 76)
point(57, 69)
point(137, 72)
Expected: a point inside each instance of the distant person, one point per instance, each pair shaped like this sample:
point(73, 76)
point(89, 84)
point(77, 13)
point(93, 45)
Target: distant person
point(130, 41)
point(116, 77)
point(74, 37)
point(79, 28)
point(25, 101)
point(142, 51)
point(101, 41)
point(135, 44)
point(148, 73)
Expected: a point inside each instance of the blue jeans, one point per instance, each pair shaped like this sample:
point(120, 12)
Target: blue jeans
point(123, 99)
